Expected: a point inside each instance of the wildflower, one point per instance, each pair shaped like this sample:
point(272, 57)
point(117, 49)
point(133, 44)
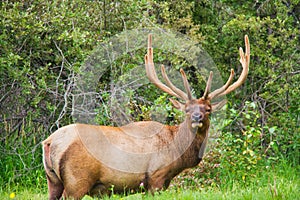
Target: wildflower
point(12, 195)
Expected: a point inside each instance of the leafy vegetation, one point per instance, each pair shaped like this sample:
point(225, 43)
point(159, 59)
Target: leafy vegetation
point(256, 150)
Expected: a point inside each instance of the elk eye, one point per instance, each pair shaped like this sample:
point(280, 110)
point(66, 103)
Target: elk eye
point(208, 110)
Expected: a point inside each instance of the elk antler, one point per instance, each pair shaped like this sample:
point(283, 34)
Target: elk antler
point(169, 88)
point(174, 91)
point(227, 88)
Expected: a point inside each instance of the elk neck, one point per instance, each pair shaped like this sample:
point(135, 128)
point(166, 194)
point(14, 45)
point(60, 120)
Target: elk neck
point(194, 153)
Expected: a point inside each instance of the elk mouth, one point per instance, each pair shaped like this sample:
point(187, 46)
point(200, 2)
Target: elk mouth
point(197, 124)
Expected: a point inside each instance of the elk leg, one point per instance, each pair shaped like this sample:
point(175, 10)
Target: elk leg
point(156, 184)
point(159, 180)
point(98, 190)
point(78, 171)
point(76, 190)
point(55, 188)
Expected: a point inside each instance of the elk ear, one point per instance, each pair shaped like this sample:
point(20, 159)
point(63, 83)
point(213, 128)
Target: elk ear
point(217, 106)
point(177, 104)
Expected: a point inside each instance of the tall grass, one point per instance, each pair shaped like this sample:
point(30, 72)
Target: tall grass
point(278, 182)
point(21, 155)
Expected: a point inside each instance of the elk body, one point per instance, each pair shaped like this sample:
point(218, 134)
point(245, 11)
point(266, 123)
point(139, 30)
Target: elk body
point(84, 159)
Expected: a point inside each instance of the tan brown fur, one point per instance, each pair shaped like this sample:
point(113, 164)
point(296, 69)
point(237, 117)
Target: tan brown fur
point(81, 173)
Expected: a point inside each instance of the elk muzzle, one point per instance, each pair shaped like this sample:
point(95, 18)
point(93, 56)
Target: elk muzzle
point(197, 119)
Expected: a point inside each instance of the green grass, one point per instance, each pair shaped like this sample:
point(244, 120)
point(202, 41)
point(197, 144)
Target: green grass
point(284, 190)
point(280, 182)
point(26, 194)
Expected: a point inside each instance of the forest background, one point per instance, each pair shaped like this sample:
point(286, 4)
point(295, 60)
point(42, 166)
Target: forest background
point(44, 43)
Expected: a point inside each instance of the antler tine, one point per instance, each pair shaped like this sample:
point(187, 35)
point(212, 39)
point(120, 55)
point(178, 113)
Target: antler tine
point(150, 70)
point(186, 84)
point(173, 87)
point(245, 61)
point(151, 74)
point(223, 88)
point(208, 85)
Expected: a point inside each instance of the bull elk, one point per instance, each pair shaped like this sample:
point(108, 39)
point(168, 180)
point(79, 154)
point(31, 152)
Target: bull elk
point(84, 159)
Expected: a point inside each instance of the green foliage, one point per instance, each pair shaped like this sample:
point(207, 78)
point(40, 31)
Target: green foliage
point(240, 153)
point(273, 80)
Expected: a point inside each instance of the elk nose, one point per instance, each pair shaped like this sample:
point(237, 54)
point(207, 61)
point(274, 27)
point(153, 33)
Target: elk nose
point(197, 116)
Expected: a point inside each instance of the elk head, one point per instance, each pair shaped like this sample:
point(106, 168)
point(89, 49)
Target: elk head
point(197, 110)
